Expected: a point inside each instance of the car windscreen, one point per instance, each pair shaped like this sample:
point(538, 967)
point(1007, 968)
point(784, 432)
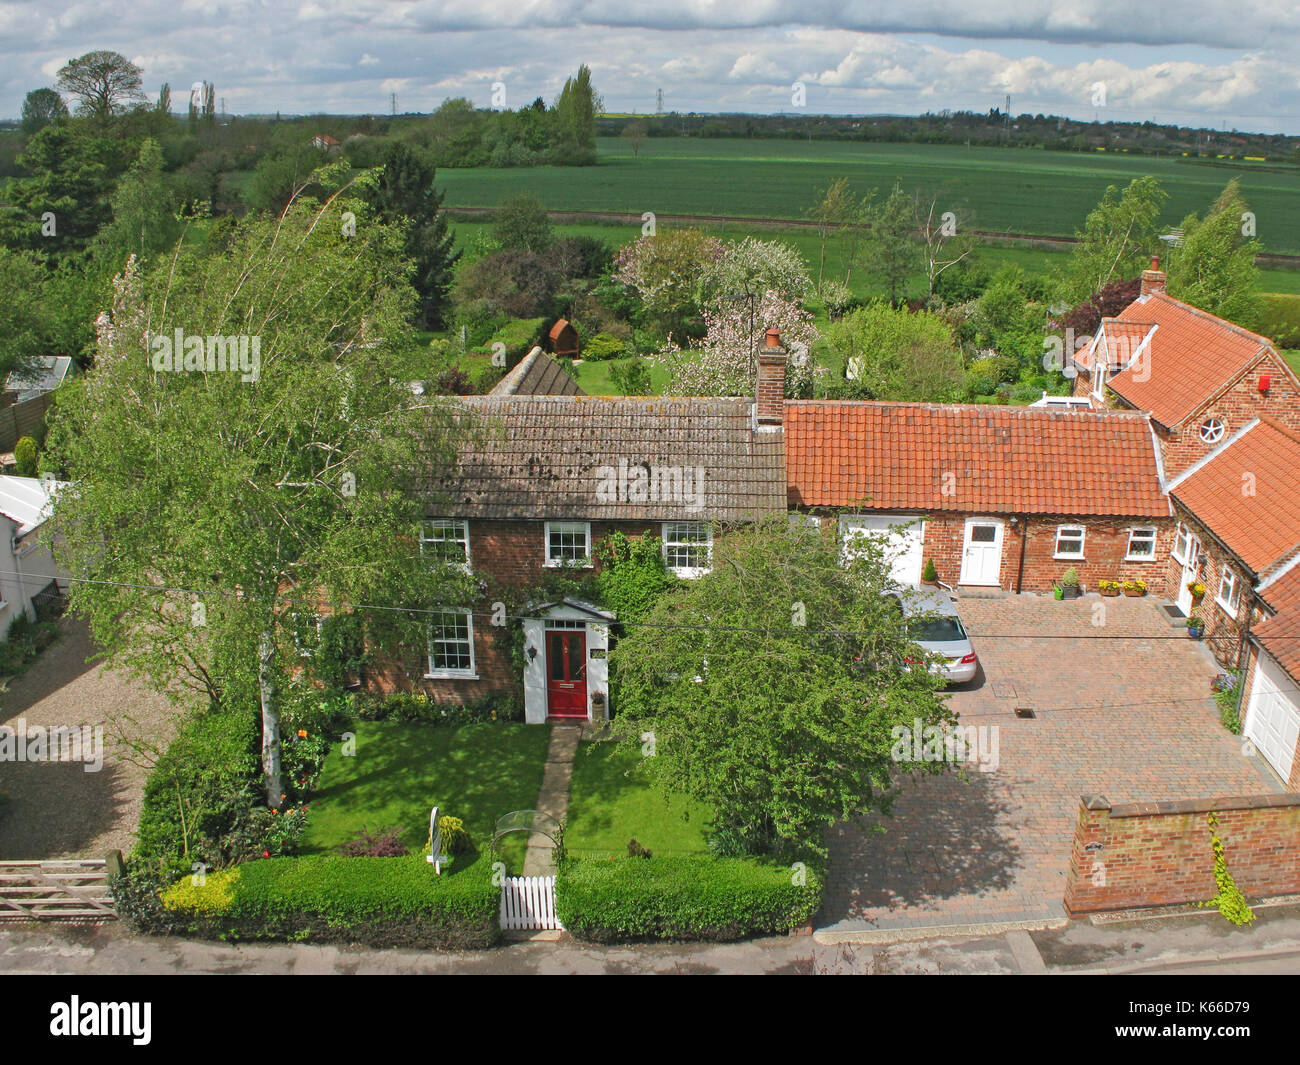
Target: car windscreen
point(937, 630)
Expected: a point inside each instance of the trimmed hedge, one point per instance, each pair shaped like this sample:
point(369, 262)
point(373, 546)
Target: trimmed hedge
point(378, 902)
point(691, 897)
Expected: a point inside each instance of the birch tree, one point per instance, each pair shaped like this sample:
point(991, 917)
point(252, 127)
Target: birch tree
point(207, 508)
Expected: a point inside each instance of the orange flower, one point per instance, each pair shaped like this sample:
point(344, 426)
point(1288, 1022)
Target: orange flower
point(302, 733)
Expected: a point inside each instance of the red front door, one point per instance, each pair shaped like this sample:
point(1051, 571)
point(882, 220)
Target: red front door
point(566, 671)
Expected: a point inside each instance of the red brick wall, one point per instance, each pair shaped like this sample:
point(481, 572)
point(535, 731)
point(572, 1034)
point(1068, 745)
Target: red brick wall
point(1222, 631)
point(514, 553)
point(1160, 854)
point(1105, 546)
point(1235, 408)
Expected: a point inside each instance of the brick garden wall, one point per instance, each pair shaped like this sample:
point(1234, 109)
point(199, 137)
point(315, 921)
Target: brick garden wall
point(1160, 854)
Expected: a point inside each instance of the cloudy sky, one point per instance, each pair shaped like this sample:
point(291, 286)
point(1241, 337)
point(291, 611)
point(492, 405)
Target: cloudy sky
point(1201, 62)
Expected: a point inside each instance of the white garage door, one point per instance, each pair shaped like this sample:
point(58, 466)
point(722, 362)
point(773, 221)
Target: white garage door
point(903, 536)
point(1273, 716)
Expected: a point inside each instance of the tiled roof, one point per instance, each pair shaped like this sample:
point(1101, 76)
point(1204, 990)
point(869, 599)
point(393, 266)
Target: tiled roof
point(1191, 356)
point(1279, 635)
point(578, 457)
point(537, 374)
point(1261, 525)
point(1116, 341)
point(971, 459)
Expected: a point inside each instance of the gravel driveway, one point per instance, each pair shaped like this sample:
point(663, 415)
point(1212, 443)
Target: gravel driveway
point(57, 809)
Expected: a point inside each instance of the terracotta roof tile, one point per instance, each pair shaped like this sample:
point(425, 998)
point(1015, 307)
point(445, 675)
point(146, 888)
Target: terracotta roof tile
point(1191, 356)
point(970, 459)
point(1248, 494)
point(1279, 635)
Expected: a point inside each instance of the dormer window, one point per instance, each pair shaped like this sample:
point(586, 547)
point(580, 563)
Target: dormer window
point(1212, 430)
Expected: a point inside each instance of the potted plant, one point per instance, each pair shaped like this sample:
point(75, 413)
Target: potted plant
point(1195, 627)
point(929, 575)
point(1197, 589)
point(1138, 587)
point(1108, 588)
point(1070, 584)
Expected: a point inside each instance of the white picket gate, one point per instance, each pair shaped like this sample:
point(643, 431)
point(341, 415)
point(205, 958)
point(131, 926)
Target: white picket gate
point(528, 902)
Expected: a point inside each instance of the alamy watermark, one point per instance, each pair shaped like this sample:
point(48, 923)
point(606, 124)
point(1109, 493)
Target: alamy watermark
point(180, 353)
point(956, 744)
point(53, 743)
point(641, 482)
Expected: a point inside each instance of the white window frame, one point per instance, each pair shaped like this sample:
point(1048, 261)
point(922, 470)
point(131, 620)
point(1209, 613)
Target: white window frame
point(458, 525)
point(1183, 536)
point(296, 618)
point(1142, 534)
point(1212, 420)
point(688, 572)
point(435, 673)
point(1232, 602)
point(560, 526)
point(1082, 537)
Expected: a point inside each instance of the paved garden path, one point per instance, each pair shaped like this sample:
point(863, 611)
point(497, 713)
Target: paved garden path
point(56, 809)
point(1130, 718)
point(553, 798)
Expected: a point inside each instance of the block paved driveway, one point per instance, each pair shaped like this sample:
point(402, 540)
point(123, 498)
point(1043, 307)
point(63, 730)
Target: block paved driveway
point(1131, 719)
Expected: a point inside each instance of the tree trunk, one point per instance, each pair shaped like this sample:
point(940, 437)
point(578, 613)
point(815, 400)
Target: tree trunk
point(270, 720)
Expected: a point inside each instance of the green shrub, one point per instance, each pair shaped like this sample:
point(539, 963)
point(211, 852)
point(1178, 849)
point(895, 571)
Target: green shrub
point(693, 897)
point(455, 840)
point(25, 452)
point(1280, 318)
point(603, 346)
point(417, 707)
point(379, 902)
point(519, 335)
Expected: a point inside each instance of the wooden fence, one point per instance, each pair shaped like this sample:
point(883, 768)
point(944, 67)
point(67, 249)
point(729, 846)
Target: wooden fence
point(55, 890)
point(528, 902)
point(22, 419)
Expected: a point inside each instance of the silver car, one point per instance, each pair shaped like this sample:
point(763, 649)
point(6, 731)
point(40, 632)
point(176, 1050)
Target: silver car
point(941, 633)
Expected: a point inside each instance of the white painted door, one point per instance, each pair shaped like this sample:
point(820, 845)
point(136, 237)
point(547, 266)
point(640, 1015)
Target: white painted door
point(1191, 557)
point(1273, 715)
point(981, 555)
point(903, 536)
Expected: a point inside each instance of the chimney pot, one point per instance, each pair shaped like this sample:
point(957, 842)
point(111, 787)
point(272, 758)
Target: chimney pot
point(1153, 279)
point(769, 392)
point(773, 338)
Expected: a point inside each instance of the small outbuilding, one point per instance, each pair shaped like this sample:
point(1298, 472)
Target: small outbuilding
point(563, 338)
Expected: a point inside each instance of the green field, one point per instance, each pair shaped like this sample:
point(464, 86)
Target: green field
point(1005, 189)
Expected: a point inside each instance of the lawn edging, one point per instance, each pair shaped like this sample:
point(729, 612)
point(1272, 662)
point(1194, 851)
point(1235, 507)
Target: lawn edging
point(692, 897)
point(375, 902)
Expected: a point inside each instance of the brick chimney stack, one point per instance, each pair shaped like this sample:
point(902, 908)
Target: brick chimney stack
point(1153, 279)
point(770, 390)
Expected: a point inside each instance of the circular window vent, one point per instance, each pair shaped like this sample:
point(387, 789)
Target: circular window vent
point(1212, 431)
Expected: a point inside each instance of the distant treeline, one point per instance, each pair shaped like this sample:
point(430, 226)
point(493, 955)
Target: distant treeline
point(992, 129)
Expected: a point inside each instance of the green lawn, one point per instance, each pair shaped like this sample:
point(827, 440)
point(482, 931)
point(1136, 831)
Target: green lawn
point(593, 377)
point(475, 772)
point(610, 803)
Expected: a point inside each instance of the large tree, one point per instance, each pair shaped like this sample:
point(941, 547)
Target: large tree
point(891, 354)
point(1214, 266)
point(209, 507)
point(103, 83)
point(891, 251)
point(144, 213)
point(774, 688)
point(404, 194)
point(575, 117)
point(41, 108)
point(1118, 239)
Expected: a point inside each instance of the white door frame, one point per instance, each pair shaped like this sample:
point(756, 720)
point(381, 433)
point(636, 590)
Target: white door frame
point(1189, 573)
point(974, 557)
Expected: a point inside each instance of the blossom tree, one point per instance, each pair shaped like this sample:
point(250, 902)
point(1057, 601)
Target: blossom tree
point(724, 363)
